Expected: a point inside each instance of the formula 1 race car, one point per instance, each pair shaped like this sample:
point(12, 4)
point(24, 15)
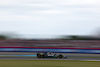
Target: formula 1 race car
point(50, 55)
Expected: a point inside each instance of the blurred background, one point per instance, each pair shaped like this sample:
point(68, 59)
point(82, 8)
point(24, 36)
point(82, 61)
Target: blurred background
point(69, 24)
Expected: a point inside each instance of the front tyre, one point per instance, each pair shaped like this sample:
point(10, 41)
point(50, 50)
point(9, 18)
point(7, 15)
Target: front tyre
point(39, 56)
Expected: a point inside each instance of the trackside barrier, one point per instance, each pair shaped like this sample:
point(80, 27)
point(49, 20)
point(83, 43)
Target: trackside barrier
point(56, 50)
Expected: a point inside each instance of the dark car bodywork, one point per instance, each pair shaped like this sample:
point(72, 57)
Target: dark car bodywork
point(54, 55)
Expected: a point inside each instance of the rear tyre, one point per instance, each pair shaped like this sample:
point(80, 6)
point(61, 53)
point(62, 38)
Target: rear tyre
point(60, 56)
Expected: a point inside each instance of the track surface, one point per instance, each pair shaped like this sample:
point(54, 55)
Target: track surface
point(34, 58)
point(70, 56)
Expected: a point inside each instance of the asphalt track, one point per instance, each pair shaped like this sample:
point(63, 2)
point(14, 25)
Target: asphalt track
point(30, 56)
point(34, 58)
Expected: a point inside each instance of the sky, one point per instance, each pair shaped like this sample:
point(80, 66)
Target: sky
point(49, 17)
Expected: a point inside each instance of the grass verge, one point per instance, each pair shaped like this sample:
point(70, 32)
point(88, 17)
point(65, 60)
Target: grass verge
point(48, 63)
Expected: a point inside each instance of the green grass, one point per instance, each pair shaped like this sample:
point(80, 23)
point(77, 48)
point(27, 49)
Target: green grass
point(48, 63)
